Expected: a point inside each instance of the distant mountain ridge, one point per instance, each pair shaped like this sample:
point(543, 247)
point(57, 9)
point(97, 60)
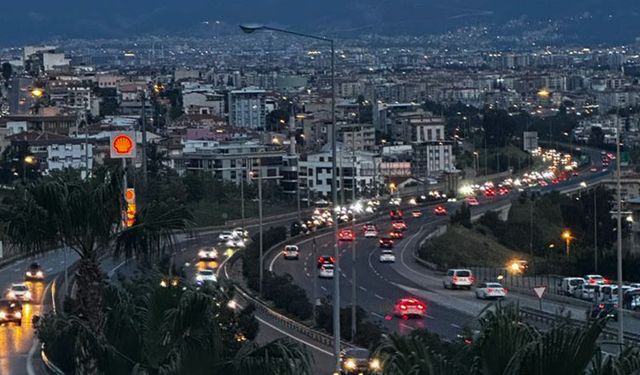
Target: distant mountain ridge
point(39, 20)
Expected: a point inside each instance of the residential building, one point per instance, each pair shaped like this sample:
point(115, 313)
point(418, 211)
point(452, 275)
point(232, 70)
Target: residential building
point(70, 154)
point(247, 108)
point(361, 137)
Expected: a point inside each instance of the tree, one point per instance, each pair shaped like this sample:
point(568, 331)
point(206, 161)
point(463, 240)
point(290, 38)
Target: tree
point(596, 137)
point(7, 71)
point(155, 328)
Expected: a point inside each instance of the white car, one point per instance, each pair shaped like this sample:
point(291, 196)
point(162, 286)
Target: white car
point(240, 232)
point(387, 256)
point(490, 290)
point(235, 243)
point(586, 292)
point(226, 236)
point(594, 279)
point(291, 252)
point(458, 278)
point(19, 292)
point(370, 233)
point(208, 254)
point(205, 276)
point(326, 271)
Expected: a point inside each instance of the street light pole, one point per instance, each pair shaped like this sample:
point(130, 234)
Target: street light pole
point(143, 98)
point(595, 230)
point(619, 226)
point(334, 192)
point(260, 224)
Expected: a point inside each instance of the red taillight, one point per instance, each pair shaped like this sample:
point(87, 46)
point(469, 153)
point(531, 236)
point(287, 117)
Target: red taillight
point(490, 290)
point(332, 259)
point(601, 306)
point(455, 278)
point(473, 279)
point(403, 307)
point(592, 281)
point(505, 290)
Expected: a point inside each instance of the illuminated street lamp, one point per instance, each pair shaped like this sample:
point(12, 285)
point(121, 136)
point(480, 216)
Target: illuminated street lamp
point(544, 93)
point(37, 92)
point(567, 237)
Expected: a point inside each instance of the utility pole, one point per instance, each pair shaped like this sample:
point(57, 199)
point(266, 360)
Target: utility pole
point(243, 169)
point(143, 98)
point(260, 224)
point(620, 292)
point(595, 230)
point(354, 290)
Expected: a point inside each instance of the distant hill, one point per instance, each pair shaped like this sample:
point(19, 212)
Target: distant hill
point(584, 20)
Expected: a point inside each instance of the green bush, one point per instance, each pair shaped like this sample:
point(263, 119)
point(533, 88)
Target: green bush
point(251, 256)
point(368, 334)
point(287, 296)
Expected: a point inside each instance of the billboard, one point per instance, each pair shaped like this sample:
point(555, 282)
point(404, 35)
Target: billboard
point(123, 145)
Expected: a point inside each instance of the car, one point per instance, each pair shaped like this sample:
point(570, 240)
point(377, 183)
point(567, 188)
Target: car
point(570, 284)
point(234, 243)
point(240, 232)
point(416, 213)
point(594, 279)
point(19, 292)
point(34, 273)
point(410, 307)
point(503, 191)
point(10, 312)
point(490, 290)
point(325, 259)
point(226, 236)
point(291, 252)
point(358, 361)
point(396, 234)
point(370, 233)
point(386, 243)
point(395, 201)
point(586, 292)
point(208, 254)
point(326, 271)
point(395, 214)
point(346, 235)
point(575, 173)
point(489, 193)
point(472, 201)
point(440, 211)
point(458, 278)
point(606, 310)
point(593, 169)
point(206, 275)
point(387, 256)
point(399, 224)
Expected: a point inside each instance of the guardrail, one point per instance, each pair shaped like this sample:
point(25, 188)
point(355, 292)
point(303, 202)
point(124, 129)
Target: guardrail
point(51, 367)
point(551, 319)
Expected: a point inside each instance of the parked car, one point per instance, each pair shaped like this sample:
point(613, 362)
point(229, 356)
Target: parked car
point(569, 285)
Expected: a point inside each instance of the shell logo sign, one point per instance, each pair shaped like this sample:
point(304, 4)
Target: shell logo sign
point(123, 145)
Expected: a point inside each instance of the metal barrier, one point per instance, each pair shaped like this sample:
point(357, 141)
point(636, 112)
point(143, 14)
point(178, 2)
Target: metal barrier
point(52, 368)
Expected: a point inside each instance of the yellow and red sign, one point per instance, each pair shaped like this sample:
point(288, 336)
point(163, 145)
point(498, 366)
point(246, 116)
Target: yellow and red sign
point(123, 145)
point(130, 198)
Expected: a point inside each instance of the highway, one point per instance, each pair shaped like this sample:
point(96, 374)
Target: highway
point(379, 285)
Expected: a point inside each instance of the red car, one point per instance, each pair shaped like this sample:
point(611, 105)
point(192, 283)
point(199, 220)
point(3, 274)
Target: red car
point(346, 235)
point(440, 211)
point(503, 191)
point(399, 224)
point(396, 234)
point(325, 259)
point(416, 213)
point(410, 307)
point(395, 214)
point(489, 193)
point(472, 201)
point(386, 243)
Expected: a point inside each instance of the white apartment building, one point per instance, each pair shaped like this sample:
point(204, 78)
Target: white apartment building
point(247, 108)
point(71, 154)
point(316, 173)
point(203, 103)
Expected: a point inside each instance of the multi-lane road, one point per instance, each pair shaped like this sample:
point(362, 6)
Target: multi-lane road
point(378, 285)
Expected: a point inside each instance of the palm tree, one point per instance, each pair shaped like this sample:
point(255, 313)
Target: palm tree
point(156, 329)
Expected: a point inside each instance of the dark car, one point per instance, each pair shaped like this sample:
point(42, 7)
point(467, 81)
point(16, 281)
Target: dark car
point(386, 243)
point(34, 273)
point(358, 361)
point(604, 310)
point(10, 312)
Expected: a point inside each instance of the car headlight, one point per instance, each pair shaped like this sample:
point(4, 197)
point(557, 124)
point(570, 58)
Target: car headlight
point(27, 294)
point(11, 295)
point(39, 274)
point(18, 314)
point(199, 277)
point(3, 315)
point(28, 273)
point(375, 364)
point(202, 254)
point(350, 364)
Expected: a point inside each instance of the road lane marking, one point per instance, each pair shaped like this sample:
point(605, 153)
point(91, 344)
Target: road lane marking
point(378, 297)
point(273, 261)
point(35, 346)
point(407, 326)
point(455, 326)
point(363, 288)
point(377, 315)
point(323, 288)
